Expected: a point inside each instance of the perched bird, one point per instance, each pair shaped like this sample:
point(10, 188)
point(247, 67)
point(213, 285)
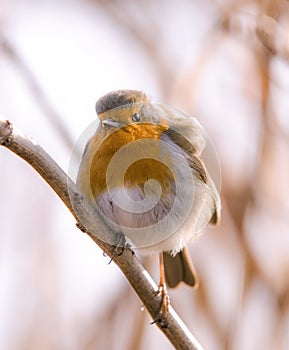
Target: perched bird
point(143, 170)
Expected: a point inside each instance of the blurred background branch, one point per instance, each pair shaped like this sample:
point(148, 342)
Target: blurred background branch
point(273, 36)
point(37, 92)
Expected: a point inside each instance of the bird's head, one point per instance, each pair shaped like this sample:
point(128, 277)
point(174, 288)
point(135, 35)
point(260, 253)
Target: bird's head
point(129, 111)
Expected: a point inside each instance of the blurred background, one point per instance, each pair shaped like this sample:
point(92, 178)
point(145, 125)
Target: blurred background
point(225, 62)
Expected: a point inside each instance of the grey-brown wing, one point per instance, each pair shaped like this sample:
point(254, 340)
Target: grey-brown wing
point(212, 203)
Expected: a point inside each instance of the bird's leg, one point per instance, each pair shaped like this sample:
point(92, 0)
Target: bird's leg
point(162, 314)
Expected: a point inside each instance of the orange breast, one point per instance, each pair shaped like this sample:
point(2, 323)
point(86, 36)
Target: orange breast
point(137, 173)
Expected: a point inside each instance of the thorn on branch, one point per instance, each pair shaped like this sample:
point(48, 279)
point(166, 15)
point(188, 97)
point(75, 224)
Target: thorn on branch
point(81, 227)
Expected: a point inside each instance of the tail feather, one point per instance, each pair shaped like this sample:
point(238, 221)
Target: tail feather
point(180, 269)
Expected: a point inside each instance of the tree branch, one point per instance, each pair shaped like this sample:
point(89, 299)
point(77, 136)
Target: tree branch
point(91, 222)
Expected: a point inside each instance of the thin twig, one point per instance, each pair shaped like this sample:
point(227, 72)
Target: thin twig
point(90, 221)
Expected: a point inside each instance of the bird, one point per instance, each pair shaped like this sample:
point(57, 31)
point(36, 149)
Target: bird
point(142, 168)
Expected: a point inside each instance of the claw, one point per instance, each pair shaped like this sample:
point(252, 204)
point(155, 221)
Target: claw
point(115, 251)
point(120, 245)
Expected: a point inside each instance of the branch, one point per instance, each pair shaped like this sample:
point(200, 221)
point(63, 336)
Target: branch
point(90, 221)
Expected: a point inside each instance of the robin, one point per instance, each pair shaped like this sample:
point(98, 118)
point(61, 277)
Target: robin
point(143, 170)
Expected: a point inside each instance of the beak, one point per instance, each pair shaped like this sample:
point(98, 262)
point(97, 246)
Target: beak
point(111, 122)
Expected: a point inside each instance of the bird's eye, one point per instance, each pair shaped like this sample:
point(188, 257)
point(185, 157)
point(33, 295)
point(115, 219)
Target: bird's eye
point(135, 117)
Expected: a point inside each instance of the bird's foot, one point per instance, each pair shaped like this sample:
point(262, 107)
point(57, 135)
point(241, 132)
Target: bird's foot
point(162, 314)
point(120, 245)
